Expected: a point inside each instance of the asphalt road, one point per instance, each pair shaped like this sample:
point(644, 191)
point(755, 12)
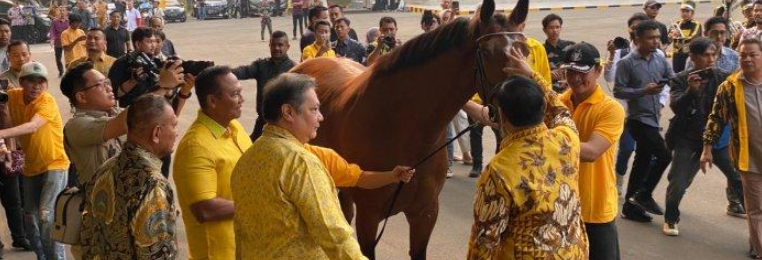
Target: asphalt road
point(706, 232)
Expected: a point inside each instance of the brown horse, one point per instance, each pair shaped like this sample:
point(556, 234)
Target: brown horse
point(395, 112)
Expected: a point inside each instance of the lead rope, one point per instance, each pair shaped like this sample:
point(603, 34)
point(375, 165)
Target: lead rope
point(401, 184)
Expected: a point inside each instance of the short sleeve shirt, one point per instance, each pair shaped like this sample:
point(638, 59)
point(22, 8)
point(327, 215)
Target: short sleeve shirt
point(311, 51)
point(43, 149)
point(78, 50)
point(604, 116)
point(84, 142)
point(344, 174)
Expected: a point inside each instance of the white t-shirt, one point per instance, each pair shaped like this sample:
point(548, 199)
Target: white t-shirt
point(132, 17)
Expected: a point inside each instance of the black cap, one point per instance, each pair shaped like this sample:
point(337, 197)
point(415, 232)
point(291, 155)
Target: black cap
point(581, 57)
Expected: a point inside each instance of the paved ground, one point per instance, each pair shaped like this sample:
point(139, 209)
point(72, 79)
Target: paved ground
point(706, 232)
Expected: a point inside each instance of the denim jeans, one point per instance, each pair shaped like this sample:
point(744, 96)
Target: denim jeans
point(450, 146)
point(202, 13)
point(684, 168)
point(40, 194)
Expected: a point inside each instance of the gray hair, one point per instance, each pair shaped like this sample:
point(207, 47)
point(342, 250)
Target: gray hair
point(369, 37)
point(146, 112)
point(288, 88)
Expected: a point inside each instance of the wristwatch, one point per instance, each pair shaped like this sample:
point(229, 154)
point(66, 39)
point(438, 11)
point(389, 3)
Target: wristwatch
point(180, 95)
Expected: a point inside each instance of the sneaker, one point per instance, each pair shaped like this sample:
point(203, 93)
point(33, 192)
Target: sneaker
point(646, 203)
point(450, 173)
point(736, 210)
point(670, 229)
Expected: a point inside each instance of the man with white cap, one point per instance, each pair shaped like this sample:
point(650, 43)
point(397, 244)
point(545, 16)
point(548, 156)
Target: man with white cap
point(37, 122)
point(682, 33)
point(600, 122)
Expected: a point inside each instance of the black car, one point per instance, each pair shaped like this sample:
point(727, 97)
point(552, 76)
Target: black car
point(254, 7)
point(29, 33)
point(175, 12)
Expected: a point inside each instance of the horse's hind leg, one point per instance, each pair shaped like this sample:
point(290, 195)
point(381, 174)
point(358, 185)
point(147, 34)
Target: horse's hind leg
point(367, 226)
point(421, 225)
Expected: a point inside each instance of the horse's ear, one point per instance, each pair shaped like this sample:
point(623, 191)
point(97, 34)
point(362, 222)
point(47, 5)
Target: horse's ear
point(519, 12)
point(486, 11)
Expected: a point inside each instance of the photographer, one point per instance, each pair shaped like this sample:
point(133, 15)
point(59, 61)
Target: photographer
point(322, 45)
point(693, 93)
point(386, 42)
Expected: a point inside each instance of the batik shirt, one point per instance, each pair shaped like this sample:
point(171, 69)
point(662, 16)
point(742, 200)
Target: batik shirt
point(527, 200)
point(129, 209)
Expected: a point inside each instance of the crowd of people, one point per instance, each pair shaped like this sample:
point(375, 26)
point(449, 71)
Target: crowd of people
point(127, 89)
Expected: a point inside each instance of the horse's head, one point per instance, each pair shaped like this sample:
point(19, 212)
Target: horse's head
point(495, 35)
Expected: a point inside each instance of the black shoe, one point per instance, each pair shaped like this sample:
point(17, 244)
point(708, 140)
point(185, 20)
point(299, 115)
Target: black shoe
point(646, 203)
point(736, 210)
point(475, 172)
point(24, 245)
point(631, 212)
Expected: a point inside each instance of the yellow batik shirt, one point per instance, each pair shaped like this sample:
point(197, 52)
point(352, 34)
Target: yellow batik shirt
point(286, 204)
point(527, 200)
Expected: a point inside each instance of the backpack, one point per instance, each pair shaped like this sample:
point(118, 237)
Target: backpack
point(67, 223)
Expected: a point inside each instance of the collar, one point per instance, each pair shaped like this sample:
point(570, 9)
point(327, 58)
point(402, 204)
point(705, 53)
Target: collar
point(100, 57)
point(345, 42)
point(279, 132)
point(214, 127)
point(637, 54)
point(90, 112)
point(512, 137)
point(133, 150)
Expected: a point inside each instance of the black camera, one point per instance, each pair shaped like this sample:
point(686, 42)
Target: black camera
point(389, 41)
point(621, 43)
point(141, 60)
point(194, 67)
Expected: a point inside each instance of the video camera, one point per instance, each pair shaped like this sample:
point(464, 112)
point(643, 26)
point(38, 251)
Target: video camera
point(151, 67)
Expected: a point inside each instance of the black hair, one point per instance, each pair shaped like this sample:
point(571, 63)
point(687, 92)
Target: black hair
point(115, 12)
point(342, 19)
point(141, 33)
point(336, 6)
point(637, 17)
point(550, 18)
point(715, 20)
point(385, 20)
point(15, 43)
point(700, 45)
point(74, 80)
point(315, 11)
point(288, 88)
point(322, 22)
point(74, 18)
point(3, 21)
point(146, 112)
point(279, 34)
point(521, 101)
point(159, 35)
point(208, 83)
point(644, 26)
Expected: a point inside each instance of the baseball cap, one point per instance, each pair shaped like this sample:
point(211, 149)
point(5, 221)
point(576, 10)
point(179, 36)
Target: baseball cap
point(650, 3)
point(690, 5)
point(33, 69)
point(581, 57)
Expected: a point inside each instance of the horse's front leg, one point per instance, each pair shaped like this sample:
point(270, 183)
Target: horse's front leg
point(367, 226)
point(421, 225)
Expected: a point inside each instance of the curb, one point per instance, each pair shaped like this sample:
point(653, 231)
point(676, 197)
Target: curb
point(421, 9)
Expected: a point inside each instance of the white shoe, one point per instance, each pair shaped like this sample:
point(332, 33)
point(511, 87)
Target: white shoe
point(450, 173)
point(670, 229)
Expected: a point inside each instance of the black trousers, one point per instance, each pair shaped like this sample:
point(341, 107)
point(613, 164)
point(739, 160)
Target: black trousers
point(477, 148)
point(258, 126)
point(59, 55)
point(166, 162)
point(651, 158)
point(679, 61)
point(10, 196)
point(298, 21)
point(604, 241)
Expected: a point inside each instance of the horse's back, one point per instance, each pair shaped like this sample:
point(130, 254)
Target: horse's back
point(330, 72)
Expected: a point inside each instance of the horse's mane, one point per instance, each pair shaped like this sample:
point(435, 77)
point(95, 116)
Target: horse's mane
point(426, 46)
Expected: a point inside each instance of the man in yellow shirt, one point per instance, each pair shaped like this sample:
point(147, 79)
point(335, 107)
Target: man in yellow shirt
point(208, 154)
point(600, 122)
point(37, 122)
point(322, 45)
point(73, 40)
point(101, 13)
point(527, 203)
point(96, 52)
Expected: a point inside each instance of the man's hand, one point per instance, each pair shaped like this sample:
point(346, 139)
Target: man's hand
point(403, 173)
point(611, 48)
point(4, 149)
point(557, 74)
point(190, 82)
point(706, 159)
point(694, 83)
point(517, 64)
point(81, 38)
point(171, 75)
point(653, 88)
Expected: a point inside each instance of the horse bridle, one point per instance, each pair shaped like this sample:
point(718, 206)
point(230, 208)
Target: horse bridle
point(485, 88)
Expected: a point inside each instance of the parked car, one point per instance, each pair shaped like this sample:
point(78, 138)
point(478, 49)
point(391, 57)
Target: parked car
point(175, 12)
point(215, 9)
point(255, 4)
point(29, 33)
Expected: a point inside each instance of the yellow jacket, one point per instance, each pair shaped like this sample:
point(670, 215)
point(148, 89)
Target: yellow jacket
point(730, 108)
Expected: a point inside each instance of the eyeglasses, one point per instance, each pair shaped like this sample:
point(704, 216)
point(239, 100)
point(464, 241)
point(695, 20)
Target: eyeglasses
point(105, 85)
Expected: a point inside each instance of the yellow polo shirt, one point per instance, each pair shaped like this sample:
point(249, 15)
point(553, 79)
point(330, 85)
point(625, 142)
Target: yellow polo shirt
point(43, 149)
point(604, 116)
point(311, 51)
point(538, 59)
point(102, 65)
point(67, 37)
